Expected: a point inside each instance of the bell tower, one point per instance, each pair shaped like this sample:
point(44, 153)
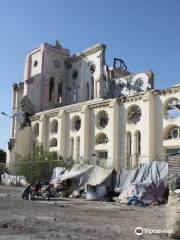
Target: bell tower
point(45, 76)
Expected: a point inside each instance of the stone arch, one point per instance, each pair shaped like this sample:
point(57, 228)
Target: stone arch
point(101, 138)
point(36, 129)
point(54, 126)
point(92, 87)
point(171, 108)
point(134, 114)
point(60, 91)
point(137, 144)
point(128, 150)
point(76, 123)
point(102, 119)
point(53, 142)
point(87, 91)
point(51, 89)
point(171, 132)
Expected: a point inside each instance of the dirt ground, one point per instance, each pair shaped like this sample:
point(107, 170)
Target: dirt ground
point(74, 219)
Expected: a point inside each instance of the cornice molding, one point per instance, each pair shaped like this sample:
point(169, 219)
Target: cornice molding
point(129, 99)
point(35, 118)
point(164, 92)
point(89, 51)
point(52, 114)
point(73, 110)
point(99, 105)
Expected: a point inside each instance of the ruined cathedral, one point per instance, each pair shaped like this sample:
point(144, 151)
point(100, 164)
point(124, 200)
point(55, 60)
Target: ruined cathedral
point(84, 109)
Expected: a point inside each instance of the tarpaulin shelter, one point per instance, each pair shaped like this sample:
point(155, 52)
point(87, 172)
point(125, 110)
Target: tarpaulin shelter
point(82, 175)
point(148, 182)
point(88, 174)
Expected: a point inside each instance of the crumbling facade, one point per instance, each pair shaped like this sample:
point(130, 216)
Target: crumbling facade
point(83, 109)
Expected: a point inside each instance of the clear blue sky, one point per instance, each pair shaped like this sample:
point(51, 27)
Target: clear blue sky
point(145, 33)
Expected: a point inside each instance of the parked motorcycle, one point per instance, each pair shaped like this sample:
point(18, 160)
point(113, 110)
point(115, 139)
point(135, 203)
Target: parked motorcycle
point(45, 192)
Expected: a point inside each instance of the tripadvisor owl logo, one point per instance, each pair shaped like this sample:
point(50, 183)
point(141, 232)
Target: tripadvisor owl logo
point(139, 231)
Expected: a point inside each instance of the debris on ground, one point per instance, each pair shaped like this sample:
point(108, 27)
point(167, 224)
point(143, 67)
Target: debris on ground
point(173, 208)
point(86, 181)
point(8, 180)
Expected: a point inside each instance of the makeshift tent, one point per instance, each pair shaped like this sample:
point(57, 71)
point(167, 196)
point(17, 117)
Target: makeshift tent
point(82, 175)
point(87, 174)
point(147, 183)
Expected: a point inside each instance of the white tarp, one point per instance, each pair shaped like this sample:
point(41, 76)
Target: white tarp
point(57, 172)
point(87, 174)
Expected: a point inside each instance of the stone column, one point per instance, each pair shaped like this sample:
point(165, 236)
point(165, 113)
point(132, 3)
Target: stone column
point(84, 139)
point(78, 141)
point(62, 133)
point(147, 142)
point(14, 94)
point(43, 131)
point(113, 145)
point(81, 81)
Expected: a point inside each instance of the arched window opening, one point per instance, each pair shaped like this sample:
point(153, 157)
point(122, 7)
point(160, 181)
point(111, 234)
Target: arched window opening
point(35, 63)
point(53, 143)
point(60, 87)
point(172, 109)
point(36, 129)
point(92, 87)
point(134, 114)
point(138, 142)
point(173, 133)
point(76, 123)
point(101, 138)
point(87, 91)
point(92, 68)
point(137, 138)
point(54, 126)
point(51, 89)
point(102, 119)
point(129, 151)
point(74, 92)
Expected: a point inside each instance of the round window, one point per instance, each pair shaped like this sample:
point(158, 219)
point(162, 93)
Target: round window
point(134, 114)
point(172, 109)
point(102, 119)
point(76, 123)
point(75, 74)
point(54, 126)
